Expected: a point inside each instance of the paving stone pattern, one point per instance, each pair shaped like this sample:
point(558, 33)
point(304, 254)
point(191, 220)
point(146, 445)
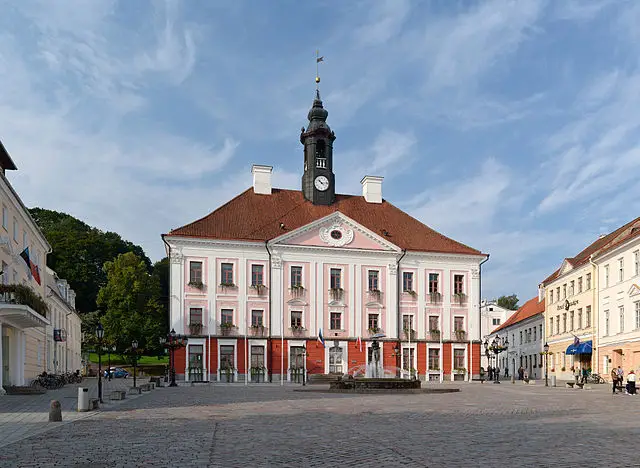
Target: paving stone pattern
point(232, 426)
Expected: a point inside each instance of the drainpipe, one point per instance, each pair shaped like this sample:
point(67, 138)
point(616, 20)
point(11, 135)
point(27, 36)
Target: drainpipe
point(480, 317)
point(270, 343)
point(168, 250)
point(596, 306)
point(399, 315)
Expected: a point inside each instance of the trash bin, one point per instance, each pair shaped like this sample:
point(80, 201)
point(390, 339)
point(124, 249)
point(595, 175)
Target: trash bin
point(553, 380)
point(83, 399)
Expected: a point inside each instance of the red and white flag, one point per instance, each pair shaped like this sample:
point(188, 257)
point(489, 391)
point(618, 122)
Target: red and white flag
point(359, 344)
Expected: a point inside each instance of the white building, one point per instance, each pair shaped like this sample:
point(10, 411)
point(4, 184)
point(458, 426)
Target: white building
point(524, 331)
point(491, 317)
point(64, 334)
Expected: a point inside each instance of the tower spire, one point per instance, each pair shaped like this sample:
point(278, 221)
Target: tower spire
point(319, 59)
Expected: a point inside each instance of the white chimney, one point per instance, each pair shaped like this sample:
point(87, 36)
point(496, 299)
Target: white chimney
point(261, 179)
point(372, 188)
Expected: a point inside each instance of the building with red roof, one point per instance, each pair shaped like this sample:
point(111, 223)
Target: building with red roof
point(276, 285)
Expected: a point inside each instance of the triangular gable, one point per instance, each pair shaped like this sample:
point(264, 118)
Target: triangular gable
point(634, 290)
point(565, 267)
point(338, 231)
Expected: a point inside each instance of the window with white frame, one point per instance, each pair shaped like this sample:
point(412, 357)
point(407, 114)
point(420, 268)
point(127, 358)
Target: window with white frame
point(558, 293)
point(458, 324)
point(407, 359)
point(564, 291)
point(374, 280)
point(195, 272)
point(296, 276)
point(458, 284)
point(588, 316)
point(257, 275)
point(564, 323)
point(637, 306)
point(434, 359)
point(336, 321)
point(15, 230)
point(195, 316)
point(257, 318)
point(579, 285)
point(335, 278)
point(227, 273)
point(572, 288)
point(407, 323)
point(458, 359)
point(5, 218)
point(433, 323)
point(520, 336)
point(433, 283)
point(25, 240)
point(557, 324)
point(606, 323)
point(551, 326)
point(620, 270)
point(407, 281)
point(636, 262)
point(551, 296)
point(226, 316)
point(606, 276)
point(588, 282)
point(579, 319)
point(296, 319)
point(534, 334)
point(373, 322)
point(621, 312)
point(571, 320)
point(495, 321)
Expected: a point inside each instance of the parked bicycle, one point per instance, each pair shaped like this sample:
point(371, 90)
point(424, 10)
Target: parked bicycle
point(595, 378)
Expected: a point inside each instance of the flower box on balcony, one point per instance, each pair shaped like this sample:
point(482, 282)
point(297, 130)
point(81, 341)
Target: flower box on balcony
point(435, 298)
point(227, 328)
point(460, 298)
point(409, 334)
point(297, 290)
point(227, 285)
point(336, 293)
point(375, 294)
point(460, 335)
point(260, 289)
point(411, 292)
point(196, 284)
point(374, 330)
point(298, 331)
point(257, 330)
point(195, 328)
point(435, 335)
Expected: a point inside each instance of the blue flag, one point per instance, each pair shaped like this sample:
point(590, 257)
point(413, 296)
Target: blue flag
point(321, 338)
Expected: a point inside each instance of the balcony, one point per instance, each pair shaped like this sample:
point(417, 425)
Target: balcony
point(459, 299)
point(434, 298)
point(409, 334)
point(374, 295)
point(411, 293)
point(21, 307)
point(227, 288)
point(374, 330)
point(258, 289)
point(195, 328)
point(228, 329)
point(298, 332)
point(258, 331)
point(336, 294)
point(297, 290)
point(460, 335)
point(433, 335)
point(199, 285)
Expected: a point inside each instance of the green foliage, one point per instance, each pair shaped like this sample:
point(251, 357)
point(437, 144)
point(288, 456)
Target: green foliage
point(508, 302)
point(130, 301)
point(80, 251)
point(26, 296)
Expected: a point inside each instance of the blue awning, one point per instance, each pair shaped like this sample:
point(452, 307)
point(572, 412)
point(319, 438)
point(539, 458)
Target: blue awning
point(586, 347)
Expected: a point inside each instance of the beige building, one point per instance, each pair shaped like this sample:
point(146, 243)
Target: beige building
point(618, 269)
point(23, 317)
point(63, 333)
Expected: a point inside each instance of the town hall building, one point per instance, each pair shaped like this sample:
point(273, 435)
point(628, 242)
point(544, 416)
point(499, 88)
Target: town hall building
point(278, 285)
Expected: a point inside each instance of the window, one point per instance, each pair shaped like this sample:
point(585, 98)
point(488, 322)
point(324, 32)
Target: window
point(195, 272)
point(15, 229)
point(373, 280)
point(572, 288)
point(195, 315)
point(335, 360)
point(336, 321)
point(636, 262)
point(606, 276)
point(257, 318)
point(458, 284)
point(226, 316)
point(321, 163)
point(520, 336)
point(606, 323)
point(226, 357)
point(25, 242)
point(433, 323)
point(588, 282)
point(621, 312)
point(551, 296)
point(433, 283)
point(564, 323)
point(434, 359)
point(541, 336)
point(458, 323)
point(407, 359)
point(579, 319)
point(458, 359)
point(558, 293)
point(5, 218)
point(557, 324)
point(373, 323)
point(620, 270)
point(227, 273)
point(588, 317)
point(579, 285)
point(407, 281)
point(534, 334)
point(407, 322)
point(637, 305)
point(564, 291)
point(551, 326)
point(296, 319)
point(336, 277)
point(257, 357)
point(571, 317)
point(296, 276)
point(257, 275)
point(495, 321)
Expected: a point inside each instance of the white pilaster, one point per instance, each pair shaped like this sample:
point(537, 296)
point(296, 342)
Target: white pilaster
point(422, 294)
point(2, 391)
point(357, 305)
point(313, 310)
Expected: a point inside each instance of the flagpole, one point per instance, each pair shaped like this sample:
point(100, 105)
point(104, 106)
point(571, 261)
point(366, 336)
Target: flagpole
point(441, 350)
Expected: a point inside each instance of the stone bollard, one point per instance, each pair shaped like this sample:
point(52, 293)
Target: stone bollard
point(513, 379)
point(55, 411)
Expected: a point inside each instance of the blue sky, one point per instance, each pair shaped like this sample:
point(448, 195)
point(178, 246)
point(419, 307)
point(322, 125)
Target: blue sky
point(510, 126)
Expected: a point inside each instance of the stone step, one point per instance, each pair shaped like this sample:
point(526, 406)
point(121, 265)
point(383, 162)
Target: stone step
point(15, 390)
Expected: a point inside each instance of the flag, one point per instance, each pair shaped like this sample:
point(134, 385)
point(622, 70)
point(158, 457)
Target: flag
point(25, 256)
point(576, 340)
point(321, 338)
point(320, 59)
point(359, 344)
point(35, 271)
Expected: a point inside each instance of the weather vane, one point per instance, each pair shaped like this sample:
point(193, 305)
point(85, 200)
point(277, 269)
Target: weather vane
point(319, 59)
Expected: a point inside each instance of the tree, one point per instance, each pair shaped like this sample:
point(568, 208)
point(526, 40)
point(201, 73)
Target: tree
point(80, 251)
point(508, 302)
point(130, 302)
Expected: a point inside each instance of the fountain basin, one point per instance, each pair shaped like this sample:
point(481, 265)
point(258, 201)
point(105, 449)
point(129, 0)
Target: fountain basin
point(373, 384)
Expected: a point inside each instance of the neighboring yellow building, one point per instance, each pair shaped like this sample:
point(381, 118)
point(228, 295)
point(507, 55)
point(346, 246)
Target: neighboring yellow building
point(23, 317)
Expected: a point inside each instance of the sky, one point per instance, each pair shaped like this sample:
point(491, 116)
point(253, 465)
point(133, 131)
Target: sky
point(511, 126)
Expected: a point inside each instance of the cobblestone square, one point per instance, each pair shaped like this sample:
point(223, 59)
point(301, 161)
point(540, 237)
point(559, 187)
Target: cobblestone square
point(234, 425)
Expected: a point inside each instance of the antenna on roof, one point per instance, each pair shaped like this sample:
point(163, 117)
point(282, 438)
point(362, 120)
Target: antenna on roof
point(282, 226)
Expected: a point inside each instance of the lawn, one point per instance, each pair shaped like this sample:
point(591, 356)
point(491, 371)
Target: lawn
point(117, 360)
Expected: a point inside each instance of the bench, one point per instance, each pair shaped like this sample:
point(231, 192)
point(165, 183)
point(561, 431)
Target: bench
point(135, 391)
point(145, 387)
point(94, 404)
point(569, 384)
point(117, 395)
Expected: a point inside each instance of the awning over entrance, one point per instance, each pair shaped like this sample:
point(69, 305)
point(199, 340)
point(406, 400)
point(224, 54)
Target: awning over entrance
point(586, 347)
point(21, 316)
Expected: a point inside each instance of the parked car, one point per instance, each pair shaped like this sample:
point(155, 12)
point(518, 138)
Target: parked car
point(117, 372)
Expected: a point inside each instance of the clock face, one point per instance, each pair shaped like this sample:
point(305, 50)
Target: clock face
point(321, 183)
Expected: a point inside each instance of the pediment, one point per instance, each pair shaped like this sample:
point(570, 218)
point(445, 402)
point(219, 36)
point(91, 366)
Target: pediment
point(565, 267)
point(297, 302)
point(336, 304)
point(634, 290)
point(373, 305)
point(336, 231)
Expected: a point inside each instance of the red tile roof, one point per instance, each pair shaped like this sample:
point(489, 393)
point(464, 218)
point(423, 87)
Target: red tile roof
point(529, 309)
point(255, 217)
point(601, 245)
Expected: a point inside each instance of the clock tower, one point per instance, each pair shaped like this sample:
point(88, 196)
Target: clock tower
point(318, 180)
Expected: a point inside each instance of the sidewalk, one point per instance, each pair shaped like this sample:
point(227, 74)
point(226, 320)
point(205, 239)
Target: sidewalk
point(22, 416)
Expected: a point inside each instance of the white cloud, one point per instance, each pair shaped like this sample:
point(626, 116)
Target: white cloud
point(384, 21)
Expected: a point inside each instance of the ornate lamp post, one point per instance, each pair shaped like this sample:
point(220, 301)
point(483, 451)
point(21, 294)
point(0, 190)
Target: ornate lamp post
point(546, 364)
point(134, 348)
point(304, 365)
point(173, 342)
point(100, 335)
point(498, 345)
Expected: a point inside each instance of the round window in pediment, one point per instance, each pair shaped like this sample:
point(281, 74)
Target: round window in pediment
point(337, 235)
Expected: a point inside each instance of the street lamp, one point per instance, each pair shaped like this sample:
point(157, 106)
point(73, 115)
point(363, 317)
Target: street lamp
point(546, 364)
point(497, 346)
point(304, 365)
point(109, 350)
point(173, 342)
point(134, 347)
point(162, 341)
point(100, 335)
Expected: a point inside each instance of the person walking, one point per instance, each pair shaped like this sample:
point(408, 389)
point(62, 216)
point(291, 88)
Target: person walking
point(620, 377)
point(614, 379)
point(576, 374)
point(631, 383)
